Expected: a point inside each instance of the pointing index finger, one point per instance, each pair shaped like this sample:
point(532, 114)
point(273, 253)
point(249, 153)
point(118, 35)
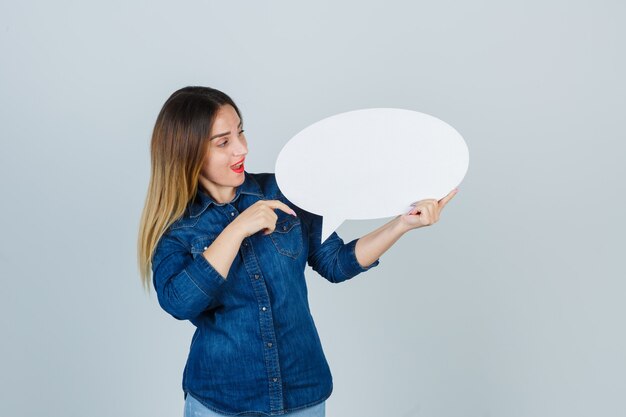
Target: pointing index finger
point(276, 204)
point(447, 198)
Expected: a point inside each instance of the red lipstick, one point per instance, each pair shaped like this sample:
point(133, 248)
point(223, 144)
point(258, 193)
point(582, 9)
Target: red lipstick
point(240, 169)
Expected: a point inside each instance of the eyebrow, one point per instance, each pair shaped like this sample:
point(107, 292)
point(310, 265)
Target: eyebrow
point(226, 133)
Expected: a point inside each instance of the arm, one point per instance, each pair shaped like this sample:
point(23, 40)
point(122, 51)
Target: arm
point(332, 259)
point(186, 286)
point(221, 253)
point(371, 246)
point(424, 213)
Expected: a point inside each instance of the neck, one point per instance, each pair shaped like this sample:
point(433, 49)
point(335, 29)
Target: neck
point(219, 194)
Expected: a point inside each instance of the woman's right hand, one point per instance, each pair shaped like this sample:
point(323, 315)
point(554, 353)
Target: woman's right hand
point(260, 216)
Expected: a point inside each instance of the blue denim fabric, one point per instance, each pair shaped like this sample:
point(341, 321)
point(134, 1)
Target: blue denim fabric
point(255, 350)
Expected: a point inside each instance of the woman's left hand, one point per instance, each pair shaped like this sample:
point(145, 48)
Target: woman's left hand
point(425, 212)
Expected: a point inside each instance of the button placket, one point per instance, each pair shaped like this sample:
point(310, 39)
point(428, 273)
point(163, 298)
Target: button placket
point(266, 324)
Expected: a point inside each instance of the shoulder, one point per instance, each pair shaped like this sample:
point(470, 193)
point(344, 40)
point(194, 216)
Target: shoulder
point(266, 181)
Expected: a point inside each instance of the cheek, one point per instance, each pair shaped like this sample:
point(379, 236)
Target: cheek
point(213, 164)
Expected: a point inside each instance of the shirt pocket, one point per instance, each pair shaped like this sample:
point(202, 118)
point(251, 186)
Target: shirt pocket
point(287, 236)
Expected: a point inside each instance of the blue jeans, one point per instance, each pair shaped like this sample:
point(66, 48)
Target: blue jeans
point(193, 408)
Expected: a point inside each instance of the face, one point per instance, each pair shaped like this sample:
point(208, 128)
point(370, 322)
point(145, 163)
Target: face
point(222, 168)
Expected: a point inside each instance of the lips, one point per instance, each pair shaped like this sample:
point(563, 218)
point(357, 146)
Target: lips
point(238, 169)
point(237, 163)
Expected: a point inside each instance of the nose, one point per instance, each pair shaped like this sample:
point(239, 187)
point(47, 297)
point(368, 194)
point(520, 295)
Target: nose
point(241, 148)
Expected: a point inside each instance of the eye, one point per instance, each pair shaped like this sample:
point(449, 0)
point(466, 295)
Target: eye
point(241, 131)
point(221, 145)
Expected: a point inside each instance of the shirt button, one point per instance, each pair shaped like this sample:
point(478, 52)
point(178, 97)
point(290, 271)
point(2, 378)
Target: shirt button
point(269, 344)
point(206, 247)
point(284, 227)
point(232, 213)
point(256, 276)
point(264, 309)
point(274, 379)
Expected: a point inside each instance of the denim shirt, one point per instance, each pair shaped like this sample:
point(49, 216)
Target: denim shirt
point(255, 350)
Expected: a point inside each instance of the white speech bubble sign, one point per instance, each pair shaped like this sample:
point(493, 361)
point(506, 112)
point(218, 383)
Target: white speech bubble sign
point(370, 164)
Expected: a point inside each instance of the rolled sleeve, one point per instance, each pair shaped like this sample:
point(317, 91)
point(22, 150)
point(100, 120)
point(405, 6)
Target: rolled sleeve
point(204, 275)
point(332, 259)
point(348, 263)
point(185, 286)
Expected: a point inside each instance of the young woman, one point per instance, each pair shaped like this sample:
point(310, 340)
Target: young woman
point(227, 251)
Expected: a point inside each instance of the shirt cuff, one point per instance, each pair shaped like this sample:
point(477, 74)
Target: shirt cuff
point(349, 265)
point(205, 276)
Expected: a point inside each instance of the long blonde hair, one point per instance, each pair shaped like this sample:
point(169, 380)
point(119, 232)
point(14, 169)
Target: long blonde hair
point(178, 146)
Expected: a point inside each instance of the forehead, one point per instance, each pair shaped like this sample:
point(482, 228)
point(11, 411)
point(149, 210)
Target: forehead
point(225, 118)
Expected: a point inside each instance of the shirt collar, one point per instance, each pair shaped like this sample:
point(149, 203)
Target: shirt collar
point(203, 200)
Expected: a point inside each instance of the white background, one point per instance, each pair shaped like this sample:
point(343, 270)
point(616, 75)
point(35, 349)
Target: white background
point(511, 305)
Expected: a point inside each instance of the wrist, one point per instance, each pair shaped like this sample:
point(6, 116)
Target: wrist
point(235, 233)
point(399, 226)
